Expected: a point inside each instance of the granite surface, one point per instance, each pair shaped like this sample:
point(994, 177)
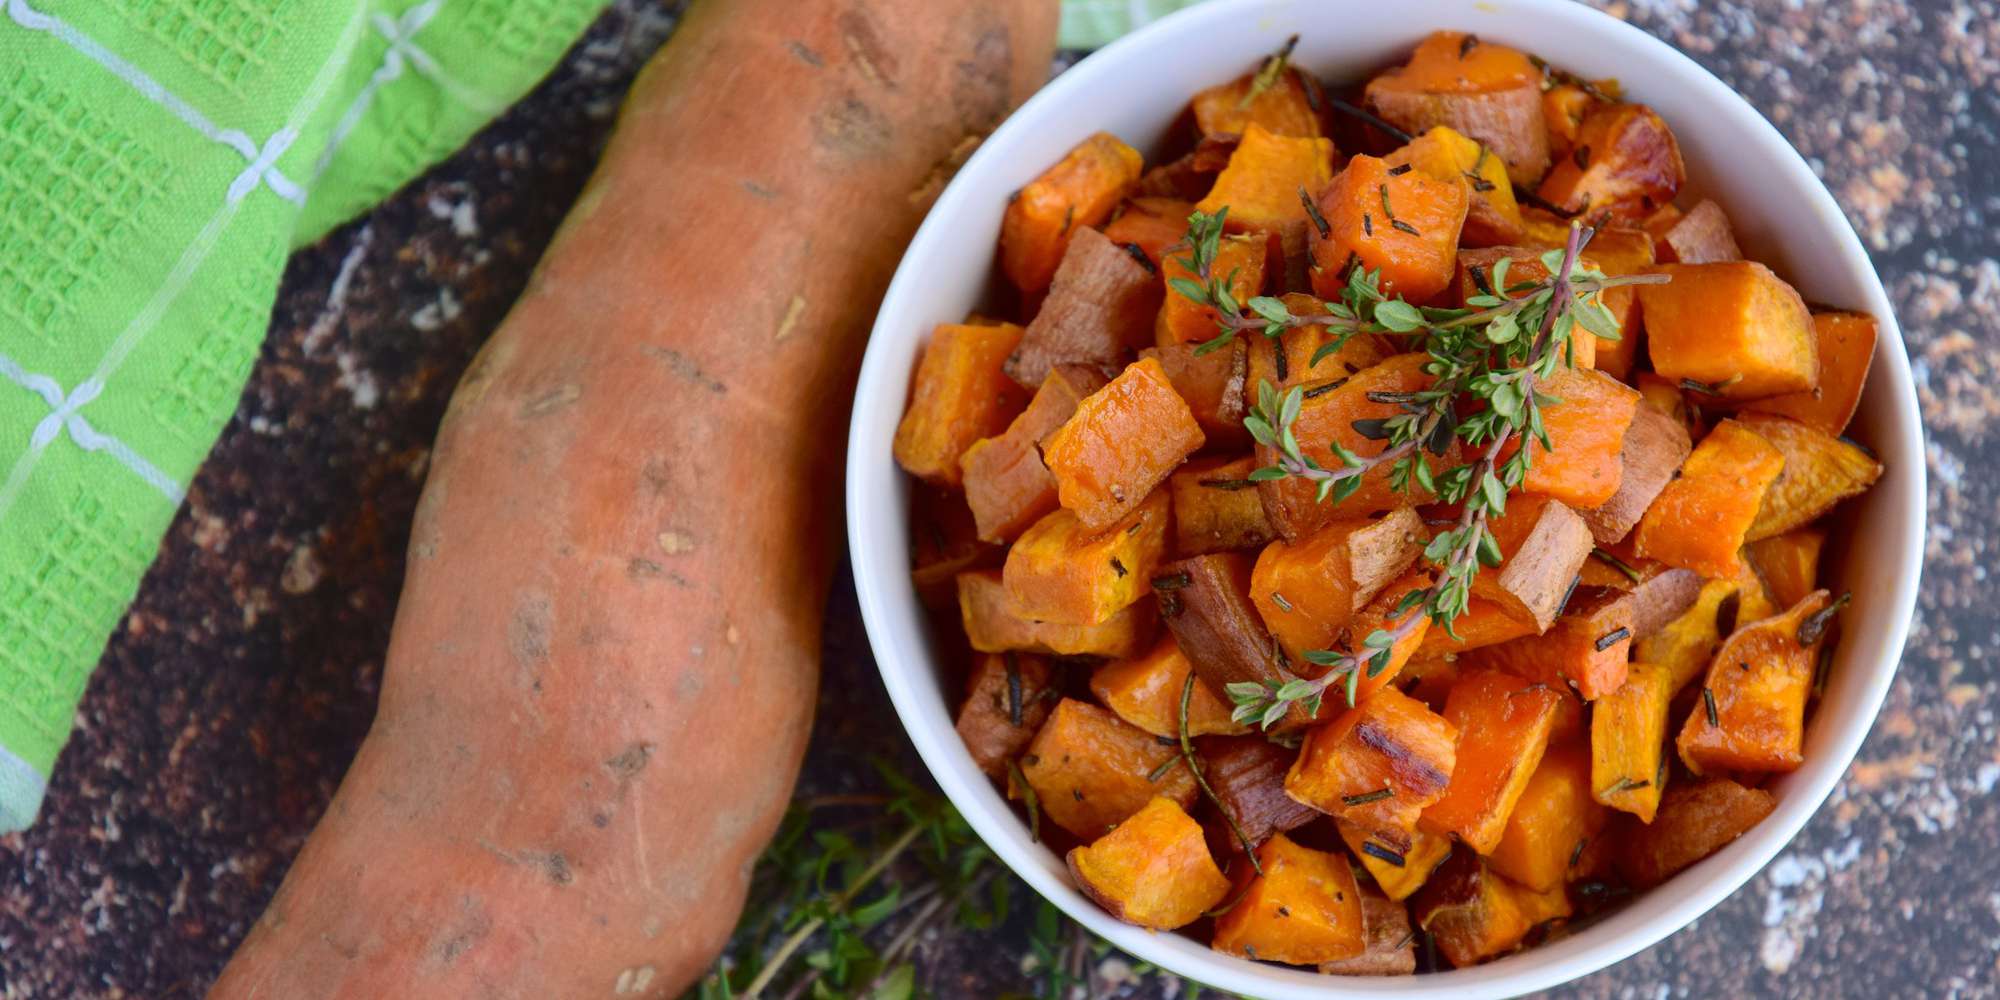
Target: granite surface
point(236, 691)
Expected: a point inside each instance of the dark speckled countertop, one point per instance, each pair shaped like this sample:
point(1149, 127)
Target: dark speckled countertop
point(236, 691)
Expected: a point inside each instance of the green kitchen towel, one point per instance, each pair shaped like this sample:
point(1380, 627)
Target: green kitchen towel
point(158, 160)
point(1089, 24)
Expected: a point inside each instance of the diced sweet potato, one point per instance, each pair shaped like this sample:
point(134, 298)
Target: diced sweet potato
point(1063, 573)
point(1405, 225)
point(1328, 414)
point(1845, 344)
point(1076, 193)
point(1006, 484)
point(1100, 308)
point(1390, 743)
point(1695, 820)
point(1123, 440)
point(1473, 913)
point(1205, 600)
point(1700, 520)
point(1702, 236)
point(1503, 727)
point(1563, 109)
point(1482, 623)
point(1618, 252)
point(1542, 545)
point(1308, 591)
point(1248, 776)
point(1008, 698)
point(1399, 869)
point(1551, 822)
point(1261, 184)
point(1212, 385)
point(1733, 326)
point(1154, 870)
point(1820, 471)
point(1216, 507)
point(1189, 176)
point(1146, 692)
point(1655, 446)
point(1474, 277)
point(1788, 563)
point(1090, 769)
point(1152, 225)
point(1685, 645)
point(1387, 613)
point(1287, 360)
point(1614, 567)
point(943, 543)
point(960, 395)
point(1285, 107)
point(1303, 910)
point(1625, 162)
point(1587, 429)
point(1429, 678)
point(1628, 732)
point(1493, 217)
point(1665, 396)
point(1392, 944)
point(1752, 715)
point(992, 626)
point(1488, 92)
point(1587, 648)
point(1239, 260)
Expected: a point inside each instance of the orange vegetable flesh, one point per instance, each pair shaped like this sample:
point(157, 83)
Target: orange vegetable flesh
point(1261, 184)
point(1404, 225)
point(1734, 327)
point(1216, 507)
point(1123, 440)
point(1386, 613)
point(1090, 769)
point(1628, 732)
point(1563, 108)
point(1475, 276)
point(1686, 644)
point(1286, 107)
point(1329, 415)
point(960, 395)
point(1550, 824)
point(1616, 252)
point(1239, 262)
point(1753, 704)
point(943, 543)
point(1587, 649)
point(1587, 432)
point(1788, 563)
point(1153, 870)
point(1308, 591)
point(1700, 520)
point(1008, 698)
point(1624, 162)
point(1820, 471)
point(1389, 742)
point(1695, 820)
point(1655, 445)
point(1152, 225)
point(1146, 692)
point(1845, 346)
point(1490, 93)
point(991, 626)
point(1397, 868)
point(1503, 727)
point(1060, 572)
point(1303, 910)
point(1482, 623)
point(1474, 913)
point(1080, 191)
point(1493, 217)
point(1288, 359)
point(1006, 485)
point(1212, 385)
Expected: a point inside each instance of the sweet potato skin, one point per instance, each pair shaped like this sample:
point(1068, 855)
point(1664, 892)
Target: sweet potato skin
point(1077, 192)
point(1488, 92)
point(1695, 821)
point(506, 831)
point(1007, 699)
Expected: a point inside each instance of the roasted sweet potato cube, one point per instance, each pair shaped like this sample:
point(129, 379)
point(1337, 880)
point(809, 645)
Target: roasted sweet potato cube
point(1503, 727)
point(1100, 309)
point(943, 542)
point(1551, 822)
point(1543, 545)
point(1695, 820)
point(1387, 613)
point(1076, 193)
point(1701, 519)
point(1788, 563)
point(1123, 440)
point(1702, 236)
point(1752, 716)
point(1493, 217)
point(1308, 591)
point(1216, 507)
point(1617, 251)
point(1303, 910)
point(1090, 769)
point(1288, 359)
point(1429, 678)
point(1260, 186)
point(1733, 326)
point(1473, 913)
point(1239, 260)
point(1654, 448)
point(992, 626)
point(1212, 385)
point(1820, 471)
point(1063, 573)
point(1589, 647)
point(1563, 109)
point(960, 395)
point(1475, 275)
point(1587, 429)
point(1399, 869)
point(1685, 645)
point(1628, 732)
point(1490, 93)
point(1008, 697)
point(1150, 224)
point(1006, 485)
point(1248, 775)
point(1845, 343)
point(1404, 225)
point(1377, 765)
point(1328, 414)
point(1205, 600)
point(1482, 623)
point(1285, 107)
point(1625, 162)
point(1153, 870)
point(1392, 943)
point(1665, 396)
point(1145, 691)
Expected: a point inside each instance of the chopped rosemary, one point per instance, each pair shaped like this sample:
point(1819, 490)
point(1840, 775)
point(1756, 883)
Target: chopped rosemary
point(1382, 854)
point(1194, 768)
point(1613, 637)
point(1582, 157)
point(1279, 600)
point(1161, 771)
point(1013, 689)
point(1405, 227)
point(1708, 705)
point(1399, 170)
point(1313, 213)
point(1625, 569)
point(1020, 784)
point(1814, 627)
point(1367, 224)
point(1710, 388)
point(1627, 785)
point(1367, 797)
point(1226, 485)
point(1173, 581)
point(1466, 45)
point(1576, 853)
point(1119, 568)
point(1138, 253)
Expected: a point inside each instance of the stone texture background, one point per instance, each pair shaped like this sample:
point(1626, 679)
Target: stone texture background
point(239, 686)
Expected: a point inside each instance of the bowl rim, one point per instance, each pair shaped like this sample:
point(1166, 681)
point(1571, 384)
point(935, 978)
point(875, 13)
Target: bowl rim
point(1700, 888)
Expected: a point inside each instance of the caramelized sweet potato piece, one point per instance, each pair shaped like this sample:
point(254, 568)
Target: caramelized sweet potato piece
point(1100, 308)
point(1655, 446)
point(1063, 573)
point(1123, 440)
point(1248, 775)
point(1008, 698)
point(1090, 769)
point(1625, 162)
point(1628, 732)
point(1153, 870)
point(1503, 727)
point(1551, 822)
point(1392, 945)
point(960, 395)
point(1695, 820)
point(1542, 545)
point(992, 626)
point(1588, 647)
point(1308, 591)
point(1152, 225)
point(1303, 910)
point(1006, 484)
point(1390, 743)
point(1587, 429)
point(1563, 109)
point(1216, 507)
point(1734, 327)
point(1493, 217)
point(1429, 678)
point(1328, 414)
point(1820, 471)
point(1482, 623)
point(1752, 715)
point(1239, 260)
point(1146, 692)
point(1685, 645)
point(1700, 520)
point(1405, 225)
point(1399, 869)
point(1205, 600)
point(1845, 344)
point(1473, 913)
point(1788, 563)
point(1212, 385)
point(1076, 193)
point(1702, 236)
point(1261, 184)
point(1288, 106)
point(1387, 613)
point(1287, 360)
point(943, 542)
point(1618, 252)
point(1490, 93)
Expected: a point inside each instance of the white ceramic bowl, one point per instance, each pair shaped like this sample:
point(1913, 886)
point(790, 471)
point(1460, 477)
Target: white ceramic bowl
point(1135, 88)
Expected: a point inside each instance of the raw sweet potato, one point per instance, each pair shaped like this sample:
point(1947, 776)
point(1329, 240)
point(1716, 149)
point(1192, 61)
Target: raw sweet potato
point(1733, 327)
point(1752, 715)
point(1090, 769)
point(1399, 869)
point(1286, 107)
point(1248, 775)
point(1695, 820)
point(1493, 217)
point(1788, 563)
point(1654, 448)
point(1482, 623)
point(1473, 913)
point(1587, 431)
point(1554, 817)
point(1702, 236)
point(1152, 225)
point(1146, 690)
point(1685, 645)
point(960, 396)
point(1216, 507)
point(1628, 732)
point(602, 674)
point(1307, 591)
point(1329, 415)
point(1075, 194)
point(1392, 944)
point(1304, 909)
point(1008, 697)
point(1488, 92)
point(1845, 344)
point(1401, 222)
point(1700, 520)
point(1153, 870)
point(1100, 308)
point(1624, 163)
point(1212, 385)
point(1123, 440)
point(1287, 359)
point(991, 626)
point(1006, 485)
point(1542, 545)
point(1205, 600)
point(1820, 471)
point(1377, 765)
point(1260, 186)
point(1503, 727)
point(1240, 260)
